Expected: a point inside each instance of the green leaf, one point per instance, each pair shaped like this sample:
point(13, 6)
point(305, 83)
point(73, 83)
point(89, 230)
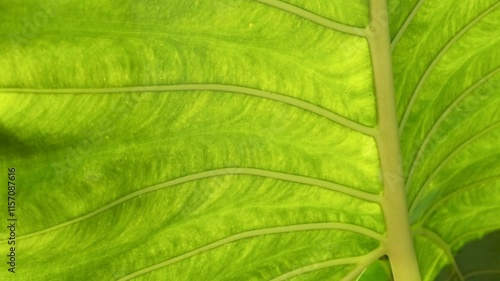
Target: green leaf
point(379, 270)
point(478, 260)
point(248, 140)
point(449, 125)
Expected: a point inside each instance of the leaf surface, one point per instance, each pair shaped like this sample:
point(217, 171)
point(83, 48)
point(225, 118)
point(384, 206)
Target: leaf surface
point(449, 125)
point(239, 140)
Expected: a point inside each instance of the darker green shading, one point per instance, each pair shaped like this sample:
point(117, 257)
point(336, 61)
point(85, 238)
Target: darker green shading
point(481, 255)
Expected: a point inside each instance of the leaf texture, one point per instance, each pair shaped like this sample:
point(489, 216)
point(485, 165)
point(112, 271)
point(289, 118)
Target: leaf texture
point(449, 125)
point(239, 140)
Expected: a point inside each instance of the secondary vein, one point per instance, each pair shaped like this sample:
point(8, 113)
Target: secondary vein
point(363, 262)
point(211, 87)
point(214, 173)
point(406, 23)
point(435, 171)
point(475, 231)
point(328, 23)
point(443, 245)
point(435, 61)
point(442, 117)
point(452, 194)
point(366, 261)
point(255, 233)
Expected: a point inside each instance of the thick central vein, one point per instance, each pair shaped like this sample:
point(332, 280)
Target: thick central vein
point(399, 239)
